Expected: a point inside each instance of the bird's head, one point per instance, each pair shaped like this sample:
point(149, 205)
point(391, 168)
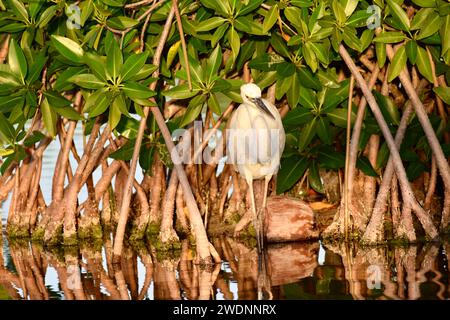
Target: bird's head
point(251, 94)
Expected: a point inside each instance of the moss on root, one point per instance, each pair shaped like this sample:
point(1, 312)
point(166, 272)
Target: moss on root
point(71, 240)
point(172, 244)
point(17, 232)
point(38, 234)
point(56, 239)
point(340, 237)
point(92, 232)
point(152, 229)
point(138, 234)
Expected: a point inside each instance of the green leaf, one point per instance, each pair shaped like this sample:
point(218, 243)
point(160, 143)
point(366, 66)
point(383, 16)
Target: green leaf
point(291, 170)
point(218, 34)
point(294, 15)
point(213, 64)
point(247, 25)
point(363, 164)
point(271, 18)
point(68, 113)
point(383, 155)
point(234, 41)
point(339, 117)
point(115, 112)
point(308, 79)
point(221, 85)
point(390, 37)
point(36, 136)
point(36, 67)
point(114, 60)
point(399, 14)
point(359, 18)
point(421, 17)
point(86, 11)
point(411, 51)
point(96, 64)
point(293, 94)
point(285, 69)
point(380, 49)
point(121, 22)
point(7, 132)
point(218, 6)
point(100, 105)
point(423, 64)
point(19, 10)
point(323, 130)
point(309, 56)
point(398, 63)
point(443, 93)
point(425, 3)
point(213, 104)
point(266, 79)
point(282, 86)
point(307, 133)
point(330, 159)
point(338, 12)
point(137, 90)
point(181, 92)
point(193, 110)
point(125, 152)
point(314, 177)
point(210, 24)
point(13, 27)
point(297, 117)
point(133, 64)
point(320, 51)
point(445, 34)
point(55, 99)
point(432, 26)
point(50, 117)
point(68, 48)
point(144, 73)
point(301, 3)
point(87, 80)
point(350, 39)
point(279, 45)
point(251, 5)
point(265, 62)
point(46, 16)
point(388, 108)
point(17, 61)
point(307, 98)
point(414, 170)
point(7, 79)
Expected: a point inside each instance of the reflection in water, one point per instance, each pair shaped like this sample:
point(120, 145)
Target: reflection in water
point(292, 272)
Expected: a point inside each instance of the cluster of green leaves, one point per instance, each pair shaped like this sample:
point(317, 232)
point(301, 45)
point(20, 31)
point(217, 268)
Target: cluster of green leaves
point(290, 43)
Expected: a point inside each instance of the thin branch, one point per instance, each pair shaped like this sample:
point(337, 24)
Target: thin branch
point(183, 42)
point(407, 192)
point(347, 157)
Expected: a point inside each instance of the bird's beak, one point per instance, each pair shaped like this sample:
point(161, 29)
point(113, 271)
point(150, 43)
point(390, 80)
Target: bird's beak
point(260, 104)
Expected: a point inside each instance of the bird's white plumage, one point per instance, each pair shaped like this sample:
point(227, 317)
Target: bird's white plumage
point(255, 142)
point(267, 140)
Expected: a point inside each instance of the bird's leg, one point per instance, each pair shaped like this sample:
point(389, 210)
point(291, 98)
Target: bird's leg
point(261, 215)
point(255, 216)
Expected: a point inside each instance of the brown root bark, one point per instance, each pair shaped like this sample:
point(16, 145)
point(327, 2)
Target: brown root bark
point(407, 193)
point(167, 234)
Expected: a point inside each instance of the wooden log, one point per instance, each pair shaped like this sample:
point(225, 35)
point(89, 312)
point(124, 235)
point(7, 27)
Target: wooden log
point(290, 262)
point(289, 219)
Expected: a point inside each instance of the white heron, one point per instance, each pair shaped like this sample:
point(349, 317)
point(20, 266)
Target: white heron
point(256, 140)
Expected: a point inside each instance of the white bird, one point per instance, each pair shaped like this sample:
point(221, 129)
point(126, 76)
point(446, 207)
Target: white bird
point(256, 140)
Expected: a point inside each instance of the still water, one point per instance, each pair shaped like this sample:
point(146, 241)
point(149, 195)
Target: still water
point(293, 270)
